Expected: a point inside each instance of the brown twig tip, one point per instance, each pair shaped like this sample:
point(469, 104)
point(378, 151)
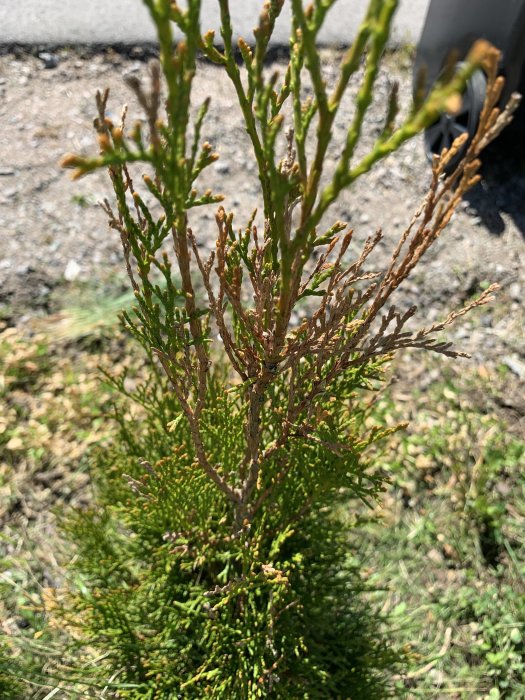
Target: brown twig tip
point(104, 143)
point(70, 160)
point(453, 103)
point(117, 134)
point(483, 53)
point(243, 46)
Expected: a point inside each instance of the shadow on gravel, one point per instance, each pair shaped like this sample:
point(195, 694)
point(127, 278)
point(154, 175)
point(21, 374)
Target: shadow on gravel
point(502, 189)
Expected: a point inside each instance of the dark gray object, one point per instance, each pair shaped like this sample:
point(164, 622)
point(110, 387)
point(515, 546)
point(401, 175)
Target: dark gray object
point(450, 28)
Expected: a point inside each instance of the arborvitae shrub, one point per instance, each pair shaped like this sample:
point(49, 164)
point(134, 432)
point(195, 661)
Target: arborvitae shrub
point(212, 563)
point(187, 605)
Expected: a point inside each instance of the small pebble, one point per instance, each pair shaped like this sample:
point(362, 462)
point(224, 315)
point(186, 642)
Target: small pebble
point(50, 60)
point(136, 52)
point(515, 365)
point(72, 271)
point(222, 167)
point(515, 292)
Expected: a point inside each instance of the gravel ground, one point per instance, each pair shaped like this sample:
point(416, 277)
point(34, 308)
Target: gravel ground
point(54, 240)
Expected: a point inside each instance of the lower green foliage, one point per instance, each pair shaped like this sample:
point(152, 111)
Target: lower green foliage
point(180, 605)
point(137, 598)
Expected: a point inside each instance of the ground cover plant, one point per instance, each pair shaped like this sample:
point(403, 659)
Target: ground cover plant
point(217, 566)
point(448, 537)
point(51, 413)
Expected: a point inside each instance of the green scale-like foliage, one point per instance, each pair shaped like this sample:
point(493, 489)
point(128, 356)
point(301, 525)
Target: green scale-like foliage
point(184, 606)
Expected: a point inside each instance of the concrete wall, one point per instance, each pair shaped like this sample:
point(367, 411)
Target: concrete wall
point(127, 21)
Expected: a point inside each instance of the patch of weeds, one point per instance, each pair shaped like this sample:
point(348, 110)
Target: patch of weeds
point(402, 56)
point(89, 314)
point(23, 363)
point(51, 398)
point(84, 201)
point(7, 312)
point(448, 541)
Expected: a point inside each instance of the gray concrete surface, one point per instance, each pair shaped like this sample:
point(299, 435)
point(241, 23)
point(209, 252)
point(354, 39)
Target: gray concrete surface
point(127, 21)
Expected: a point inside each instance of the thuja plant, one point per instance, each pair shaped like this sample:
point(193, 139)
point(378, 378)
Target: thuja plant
point(213, 564)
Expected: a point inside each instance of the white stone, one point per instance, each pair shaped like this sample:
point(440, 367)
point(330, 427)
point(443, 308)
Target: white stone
point(72, 271)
